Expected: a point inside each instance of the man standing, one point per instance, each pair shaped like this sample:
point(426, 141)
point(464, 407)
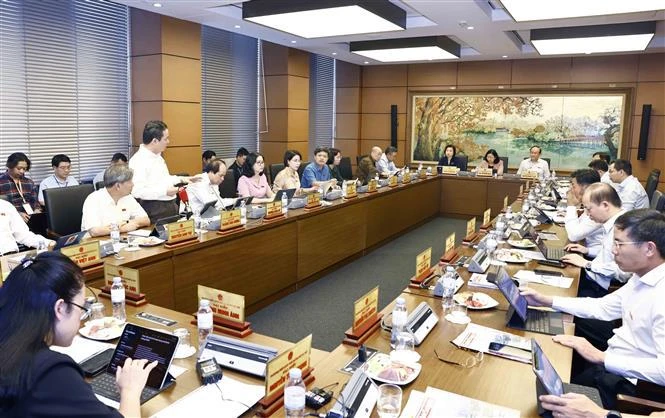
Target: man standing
point(582, 227)
point(386, 166)
point(18, 189)
point(534, 163)
point(367, 167)
point(238, 165)
point(154, 187)
point(62, 165)
point(633, 195)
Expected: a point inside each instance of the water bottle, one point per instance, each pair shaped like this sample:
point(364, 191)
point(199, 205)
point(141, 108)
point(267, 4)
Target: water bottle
point(115, 234)
point(118, 299)
point(449, 283)
point(420, 167)
point(285, 203)
point(376, 177)
point(294, 394)
point(525, 206)
point(197, 222)
point(553, 175)
point(399, 320)
point(509, 213)
point(204, 321)
point(243, 213)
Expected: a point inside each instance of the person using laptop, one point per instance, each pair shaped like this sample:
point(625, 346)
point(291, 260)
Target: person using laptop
point(317, 172)
point(113, 203)
point(633, 195)
point(17, 188)
point(41, 304)
point(602, 168)
point(386, 164)
point(118, 158)
point(602, 203)
point(62, 166)
point(575, 405)
point(253, 181)
point(13, 230)
point(637, 349)
point(288, 177)
point(535, 163)
point(366, 169)
point(207, 190)
point(581, 227)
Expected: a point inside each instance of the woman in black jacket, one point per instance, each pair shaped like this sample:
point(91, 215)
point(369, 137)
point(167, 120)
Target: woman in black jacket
point(449, 157)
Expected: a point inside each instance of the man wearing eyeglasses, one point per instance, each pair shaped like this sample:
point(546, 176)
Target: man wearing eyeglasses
point(62, 166)
point(637, 349)
point(207, 189)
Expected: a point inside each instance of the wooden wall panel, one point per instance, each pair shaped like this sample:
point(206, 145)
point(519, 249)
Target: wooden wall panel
point(141, 113)
point(347, 126)
point(379, 99)
point(541, 71)
point(183, 159)
point(298, 92)
point(181, 79)
point(655, 159)
point(277, 129)
point(146, 31)
point(184, 121)
point(605, 69)
point(384, 75)
point(275, 59)
point(348, 75)
point(347, 100)
point(377, 126)
point(656, 132)
point(367, 144)
point(298, 125)
point(277, 92)
point(483, 73)
point(298, 63)
point(652, 67)
point(436, 74)
point(348, 147)
point(146, 78)
point(650, 93)
point(181, 38)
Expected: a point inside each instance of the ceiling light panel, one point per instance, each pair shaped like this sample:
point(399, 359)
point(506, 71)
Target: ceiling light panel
point(408, 49)
point(527, 10)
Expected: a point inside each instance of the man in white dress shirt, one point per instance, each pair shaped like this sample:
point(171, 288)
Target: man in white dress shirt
point(62, 165)
point(113, 203)
point(602, 168)
point(154, 188)
point(633, 195)
point(582, 227)
point(13, 230)
point(207, 189)
point(534, 163)
point(118, 158)
point(637, 349)
point(386, 165)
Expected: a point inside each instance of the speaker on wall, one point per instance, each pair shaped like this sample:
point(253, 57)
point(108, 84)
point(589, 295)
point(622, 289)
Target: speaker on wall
point(393, 125)
point(644, 132)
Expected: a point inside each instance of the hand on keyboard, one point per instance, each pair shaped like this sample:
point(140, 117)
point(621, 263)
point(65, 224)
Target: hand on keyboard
point(574, 259)
point(132, 376)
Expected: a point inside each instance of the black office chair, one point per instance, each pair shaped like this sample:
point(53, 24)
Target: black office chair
point(652, 182)
point(464, 161)
point(505, 164)
point(274, 170)
point(64, 208)
point(99, 185)
point(302, 168)
point(345, 168)
point(658, 201)
point(228, 187)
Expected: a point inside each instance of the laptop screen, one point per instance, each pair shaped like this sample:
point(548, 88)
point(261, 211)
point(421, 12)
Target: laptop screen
point(545, 371)
point(71, 239)
point(540, 243)
point(511, 293)
point(143, 343)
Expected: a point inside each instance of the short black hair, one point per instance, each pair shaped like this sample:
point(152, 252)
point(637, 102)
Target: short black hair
point(624, 165)
point(289, 154)
point(208, 155)
point(242, 152)
point(540, 150)
point(153, 129)
point(644, 225)
point(59, 158)
point(390, 150)
point(119, 156)
point(213, 166)
point(15, 158)
point(599, 165)
point(603, 156)
point(321, 149)
point(585, 176)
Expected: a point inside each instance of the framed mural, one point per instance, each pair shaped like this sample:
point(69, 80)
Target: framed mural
point(568, 127)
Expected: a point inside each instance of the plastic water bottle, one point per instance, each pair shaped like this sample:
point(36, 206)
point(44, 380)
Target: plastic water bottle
point(204, 321)
point(294, 394)
point(118, 299)
point(553, 174)
point(197, 222)
point(509, 213)
point(449, 282)
point(115, 234)
point(525, 206)
point(285, 203)
point(243, 213)
point(400, 317)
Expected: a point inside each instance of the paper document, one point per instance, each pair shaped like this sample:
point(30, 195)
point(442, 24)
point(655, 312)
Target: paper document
point(534, 255)
point(140, 233)
point(227, 398)
point(435, 401)
point(556, 281)
point(548, 236)
point(478, 338)
point(480, 280)
point(82, 348)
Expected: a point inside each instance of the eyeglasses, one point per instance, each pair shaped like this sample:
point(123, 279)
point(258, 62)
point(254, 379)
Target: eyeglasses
point(472, 360)
point(85, 312)
point(620, 244)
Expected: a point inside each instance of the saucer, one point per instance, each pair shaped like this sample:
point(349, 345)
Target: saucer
point(458, 320)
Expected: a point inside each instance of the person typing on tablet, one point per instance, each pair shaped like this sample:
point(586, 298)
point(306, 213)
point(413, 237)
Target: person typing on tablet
point(574, 405)
point(41, 304)
point(207, 189)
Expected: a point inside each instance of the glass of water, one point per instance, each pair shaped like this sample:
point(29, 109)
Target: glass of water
point(389, 404)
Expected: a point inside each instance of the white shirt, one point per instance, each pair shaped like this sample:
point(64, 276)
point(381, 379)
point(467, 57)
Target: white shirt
point(637, 349)
point(540, 166)
point(98, 177)
point(583, 228)
point(51, 182)
point(603, 267)
point(383, 166)
point(151, 176)
point(13, 229)
point(99, 209)
point(202, 192)
point(632, 194)
point(605, 178)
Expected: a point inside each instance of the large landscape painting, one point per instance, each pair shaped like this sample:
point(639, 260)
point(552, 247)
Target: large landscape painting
point(569, 128)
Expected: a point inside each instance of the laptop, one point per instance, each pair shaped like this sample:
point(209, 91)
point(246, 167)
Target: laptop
point(159, 230)
point(137, 342)
point(239, 201)
point(548, 381)
point(71, 239)
point(288, 192)
point(550, 253)
point(519, 315)
point(208, 210)
point(542, 217)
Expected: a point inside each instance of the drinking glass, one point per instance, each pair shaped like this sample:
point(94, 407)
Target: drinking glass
point(459, 312)
point(404, 349)
point(97, 311)
point(185, 348)
point(132, 243)
point(389, 404)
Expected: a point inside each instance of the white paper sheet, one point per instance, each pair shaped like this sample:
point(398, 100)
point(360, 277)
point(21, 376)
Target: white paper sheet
point(556, 281)
point(435, 401)
point(478, 338)
point(480, 280)
point(82, 348)
point(140, 233)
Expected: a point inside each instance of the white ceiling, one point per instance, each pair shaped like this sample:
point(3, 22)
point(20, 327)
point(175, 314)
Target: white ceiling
point(492, 38)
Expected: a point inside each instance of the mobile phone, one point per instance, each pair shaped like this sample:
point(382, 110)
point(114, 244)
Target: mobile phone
point(548, 272)
point(553, 263)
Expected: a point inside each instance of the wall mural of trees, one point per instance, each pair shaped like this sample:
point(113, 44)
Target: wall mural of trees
point(569, 128)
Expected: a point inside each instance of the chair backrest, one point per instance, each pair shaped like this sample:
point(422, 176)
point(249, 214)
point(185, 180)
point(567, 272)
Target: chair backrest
point(4, 197)
point(228, 187)
point(345, 168)
point(464, 161)
point(360, 157)
point(505, 163)
point(274, 170)
point(64, 207)
point(658, 201)
point(99, 185)
point(652, 182)
point(302, 168)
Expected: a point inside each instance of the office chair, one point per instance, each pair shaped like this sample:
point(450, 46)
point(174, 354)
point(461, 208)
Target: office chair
point(360, 157)
point(99, 185)
point(64, 208)
point(649, 398)
point(302, 168)
point(658, 201)
point(464, 161)
point(652, 182)
point(505, 164)
point(228, 187)
point(345, 168)
point(274, 169)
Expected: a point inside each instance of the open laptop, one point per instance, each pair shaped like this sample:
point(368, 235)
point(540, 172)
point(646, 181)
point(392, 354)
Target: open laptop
point(239, 201)
point(159, 230)
point(520, 316)
point(288, 192)
point(550, 253)
point(71, 239)
point(137, 342)
point(542, 217)
point(548, 381)
point(208, 210)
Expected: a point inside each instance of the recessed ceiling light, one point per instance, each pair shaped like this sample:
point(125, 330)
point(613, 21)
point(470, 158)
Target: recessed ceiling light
point(621, 37)
point(237, 26)
point(408, 49)
point(470, 28)
point(157, 4)
point(334, 53)
point(524, 10)
point(499, 87)
point(309, 19)
point(504, 56)
point(293, 42)
point(366, 62)
point(452, 88)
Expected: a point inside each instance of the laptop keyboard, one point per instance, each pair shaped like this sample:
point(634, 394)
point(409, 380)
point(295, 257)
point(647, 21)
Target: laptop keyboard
point(538, 321)
point(555, 253)
point(104, 385)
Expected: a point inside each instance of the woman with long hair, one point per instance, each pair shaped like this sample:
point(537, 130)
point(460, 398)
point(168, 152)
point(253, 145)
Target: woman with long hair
point(42, 304)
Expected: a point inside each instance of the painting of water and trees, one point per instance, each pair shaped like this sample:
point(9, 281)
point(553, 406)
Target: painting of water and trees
point(569, 128)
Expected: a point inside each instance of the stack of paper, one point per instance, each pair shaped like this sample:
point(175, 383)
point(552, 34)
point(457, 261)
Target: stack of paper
point(550, 280)
point(433, 401)
point(82, 348)
point(480, 280)
point(488, 340)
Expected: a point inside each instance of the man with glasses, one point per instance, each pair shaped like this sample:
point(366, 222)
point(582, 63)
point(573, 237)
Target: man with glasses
point(637, 349)
point(581, 227)
point(62, 165)
point(207, 189)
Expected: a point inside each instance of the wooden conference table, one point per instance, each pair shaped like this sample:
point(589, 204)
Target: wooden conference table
point(264, 262)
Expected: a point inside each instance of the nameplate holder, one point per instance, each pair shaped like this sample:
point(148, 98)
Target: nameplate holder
point(484, 172)
point(228, 311)
point(422, 174)
point(392, 181)
point(505, 204)
point(366, 318)
point(449, 170)
point(487, 222)
point(313, 201)
point(180, 234)
point(86, 255)
point(350, 191)
point(372, 186)
point(406, 178)
point(273, 212)
point(449, 251)
point(130, 279)
point(529, 174)
point(230, 222)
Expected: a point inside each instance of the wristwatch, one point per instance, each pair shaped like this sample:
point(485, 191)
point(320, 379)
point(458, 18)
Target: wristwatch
point(613, 414)
point(587, 266)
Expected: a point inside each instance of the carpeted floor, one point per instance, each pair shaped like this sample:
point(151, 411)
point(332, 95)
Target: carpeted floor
point(325, 307)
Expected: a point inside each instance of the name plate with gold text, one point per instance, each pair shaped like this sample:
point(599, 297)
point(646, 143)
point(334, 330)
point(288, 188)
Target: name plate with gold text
point(180, 231)
point(85, 254)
